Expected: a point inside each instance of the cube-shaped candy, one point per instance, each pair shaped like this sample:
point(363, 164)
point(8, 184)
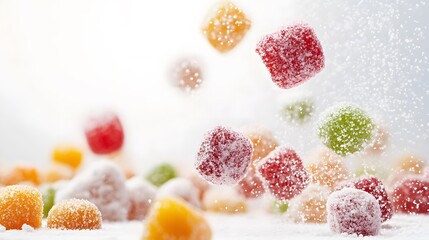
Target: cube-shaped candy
point(411, 196)
point(251, 185)
point(68, 155)
point(263, 142)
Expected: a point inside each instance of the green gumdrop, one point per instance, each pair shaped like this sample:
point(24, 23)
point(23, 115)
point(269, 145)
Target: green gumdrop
point(280, 207)
point(161, 174)
point(346, 130)
point(48, 201)
point(298, 112)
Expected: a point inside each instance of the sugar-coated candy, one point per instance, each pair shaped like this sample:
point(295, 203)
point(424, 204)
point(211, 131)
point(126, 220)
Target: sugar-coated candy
point(180, 188)
point(57, 172)
point(226, 26)
point(201, 184)
point(75, 214)
point(298, 112)
point(346, 129)
point(409, 164)
point(224, 199)
point(19, 205)
point(284, 173)
point(279, 206)
point(375, 187)
point(22, 174)
point(380, 142)
point(141, 195)
point(263, 142)
point(412, 196)
point(161, 174)
point(103, 184)
point(251, 185)
point(224, 156)
point(174, 219)
point(68, 155)
point(187, 75)
point(104, 133)
point(292, 55)
point(48, 197)
point(353, 211)
point(310, 205)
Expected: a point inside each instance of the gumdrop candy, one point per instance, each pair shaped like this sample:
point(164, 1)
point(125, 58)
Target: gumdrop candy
point(180, 188)
point(226, 26)
point(409, 164)
point(68, 155)
point(375, 187)
point(412, 196)
point(263, 142)
point(57, 172)
point(223, 199)
point(187, 74)
point(310, 205)
point(75, 214)
point(251, 185)
point(19, 205)
point(326, 168)
point(48, 197)
point(224, 156)
point(353, 211)
point(292, 55)
point(141, 196)
point(104, 133)
point(161, 174)
point(201, 184)
point(103, 184)
point(174, 219)
point(380, 142)
point(279, 207)
point(346, 129)
point(298, 112)
point(284, 173)
point(22, 174)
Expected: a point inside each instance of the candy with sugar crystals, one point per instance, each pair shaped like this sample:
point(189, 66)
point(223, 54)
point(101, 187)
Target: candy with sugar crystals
point(224, 156)
point(22, 174)
point(68, 155)
point(263, 142)
point(251, 185)
point(141, 195)
point(19, 205)
point(161, 174)
point(353, 211)
point(180, 188)
point(104, 133)
point(187, 75)
point(283, 173)
point(412, 196)
point(409, 164)
point(298, 112)
point(224, 199)
point(292, 55)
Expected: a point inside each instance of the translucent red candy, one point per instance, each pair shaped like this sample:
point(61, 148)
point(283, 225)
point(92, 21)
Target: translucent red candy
point(353, 211)
point(224, 156)
point(284, 173)
point(104, 133)
point(292, 55)
point(375, 187)
point(251, 185)
point(412, 196)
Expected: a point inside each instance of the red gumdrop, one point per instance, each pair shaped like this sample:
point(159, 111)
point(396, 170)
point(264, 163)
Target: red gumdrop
point(251, 186)
point(283, 173)
point(292, 55)
point(412, 196)
point(353, 211)
point(375, 187)
point(224, 156)
point(104, 133)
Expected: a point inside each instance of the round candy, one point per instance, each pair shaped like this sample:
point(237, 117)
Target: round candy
point(141, 195)
point(68, 155)
point(292, 55)
point(353, 211)
point(224, 156)
point(346, 130)
point(409, 164)
point(187, 74)
point(104, 133)
point(298, 112)
point(161, 174)
point(75, 214)
point(412, 196)
point(19, 205)
point(283, 173)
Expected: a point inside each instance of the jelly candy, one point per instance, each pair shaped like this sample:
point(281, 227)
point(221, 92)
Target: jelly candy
point(292, 55)
point(224, 156)
point(161, 174)
point(251, 185)
point(187, 74)
point(68, 155)
point(298, 112)
point(381, 139)
point(180, 188)
point(22, 174)
point(57, 172)
point(104, 133)
point(141, 195)
point(223, 199)
point(280, 206)
point(75, 214)
point(48, 197)
point(410, 164)
point(412, 196)
point(263, 142)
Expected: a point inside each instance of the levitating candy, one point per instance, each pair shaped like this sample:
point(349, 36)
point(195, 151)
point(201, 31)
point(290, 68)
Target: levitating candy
point(180, 188)
point(310, 205)
point(57, 172)
point(380, 141)
point(174, 219)
point(75, 214)
point(20, 205)
point(161, 174)
point(22, 174)
point(103, 184)
point(298, 112)
point(375, 187)
point(353, 211)
point(104, 133)
point(409, 164)
point(68, 155)
point(251, 185)
point(187, 74)
point(224, 199)
point(141, 196)
point(224, 156)
point(48, 197)
point(284, 173)
point(412, 196)
point(346, 130)
point(226, 26)
point(263, 142)
point(292, 55)
point(326, 168)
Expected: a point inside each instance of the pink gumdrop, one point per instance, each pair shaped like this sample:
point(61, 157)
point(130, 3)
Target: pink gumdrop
point(283, 173)
point(292, 55)
point(104, 133)
point(353, 211)
point(224, 156)
point(141, 196)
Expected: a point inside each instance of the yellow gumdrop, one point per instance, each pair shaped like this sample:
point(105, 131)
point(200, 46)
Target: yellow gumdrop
point(68, 155)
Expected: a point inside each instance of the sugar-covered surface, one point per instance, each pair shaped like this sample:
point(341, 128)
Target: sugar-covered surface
point(246, 227)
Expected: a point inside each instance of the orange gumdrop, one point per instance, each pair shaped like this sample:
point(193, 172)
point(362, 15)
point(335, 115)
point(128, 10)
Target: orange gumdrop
point(57, 172)
point(409, 164)
point(174, 219)
point(75, 214)
point(226, 26)
point(22, 174)
point(68, 155)
point(20, 204)
point(263, 142)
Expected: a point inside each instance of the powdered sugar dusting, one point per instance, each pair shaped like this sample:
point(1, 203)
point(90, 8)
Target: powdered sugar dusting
point(180, 188)
point(141, 194)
